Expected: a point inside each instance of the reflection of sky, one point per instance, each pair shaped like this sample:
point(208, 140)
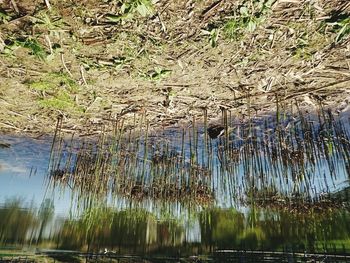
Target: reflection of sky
point(23, 168)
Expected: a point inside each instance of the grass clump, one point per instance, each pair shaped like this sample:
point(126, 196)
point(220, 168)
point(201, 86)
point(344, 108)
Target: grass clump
point(343, 29)
point(54, 81)
point(56, 91)
point(48, 21)
point(157, 74)
point(128, 9)
point(340, 24)
point(61, 101)
point(32, 44)
point(247, 18)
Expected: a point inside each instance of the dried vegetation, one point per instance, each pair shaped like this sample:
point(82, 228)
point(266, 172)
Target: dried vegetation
point(92, 61)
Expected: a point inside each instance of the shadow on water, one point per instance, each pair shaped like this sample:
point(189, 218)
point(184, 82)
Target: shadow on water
point(243, 189)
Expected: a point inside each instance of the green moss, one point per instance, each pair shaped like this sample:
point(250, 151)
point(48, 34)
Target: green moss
point(55, 81)
point(61, 101)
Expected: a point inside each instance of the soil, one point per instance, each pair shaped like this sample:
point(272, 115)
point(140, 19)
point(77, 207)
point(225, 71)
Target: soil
point(92, 62)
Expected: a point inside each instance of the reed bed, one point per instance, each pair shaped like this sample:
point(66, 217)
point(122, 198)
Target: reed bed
point(289, 157)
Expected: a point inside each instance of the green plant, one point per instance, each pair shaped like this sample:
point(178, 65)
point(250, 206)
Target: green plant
point(30, 43)
point(344, 29)
point(157, 73)
point(53, 81)
point(213, 35)
point(60, 101)
point(34, 46)
point(56, 92)
point(247, 18)
point(4, 17)
point(49, 21)
point(129, 8)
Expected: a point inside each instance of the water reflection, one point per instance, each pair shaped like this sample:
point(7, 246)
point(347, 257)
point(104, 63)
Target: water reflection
point(268, 185)
point(137, 231)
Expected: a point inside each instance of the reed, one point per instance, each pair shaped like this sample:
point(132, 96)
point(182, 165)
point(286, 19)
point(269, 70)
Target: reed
point(292, 156)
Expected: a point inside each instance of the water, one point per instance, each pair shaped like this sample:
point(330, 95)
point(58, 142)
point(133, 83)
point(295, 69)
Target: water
point(179, 194)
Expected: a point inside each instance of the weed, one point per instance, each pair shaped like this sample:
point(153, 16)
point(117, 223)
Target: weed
point(49, 21)
point(61, 101)
point(340, 23)
point(247, 18)
point(54, 81)
point(128, 9)
point(157, 74)
point(4, 17)
point(302, 50)
point(213, 36)
point(30, 43)
point(34, 46)
point(344, 29)
point(56, 91)
point(232, 29)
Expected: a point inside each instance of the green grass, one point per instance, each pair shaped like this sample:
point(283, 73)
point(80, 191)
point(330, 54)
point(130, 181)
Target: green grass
point(55, 81)
point(156, 74)
point(130, 8)
point(56, 91)
point(247, 18)
point(61, 101)
point(4, 17)
point(343, 29)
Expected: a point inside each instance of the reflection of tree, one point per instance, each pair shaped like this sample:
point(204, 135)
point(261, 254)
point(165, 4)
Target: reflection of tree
point(139, 231)
point(132, 230)
point(221, 228)
point(45, 214)
point(15, 222)
point(274, 230)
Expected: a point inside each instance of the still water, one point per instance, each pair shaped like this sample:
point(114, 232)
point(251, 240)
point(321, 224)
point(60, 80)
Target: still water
point(185, 197)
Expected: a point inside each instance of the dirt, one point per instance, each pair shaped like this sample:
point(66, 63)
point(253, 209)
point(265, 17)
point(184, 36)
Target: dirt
point(77, 60)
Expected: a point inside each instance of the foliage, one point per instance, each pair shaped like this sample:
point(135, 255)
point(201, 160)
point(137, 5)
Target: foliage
point(30, 43)
point(55, 81)
point(128, 10)
point(247, 18)
point(4, 17)
point(56, 90)
point(344, 29)
point(157, 74)
point(50, 21)
point(60, 101)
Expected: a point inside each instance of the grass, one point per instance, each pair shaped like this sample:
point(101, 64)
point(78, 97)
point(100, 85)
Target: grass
point(129, 8)
point(56, 92)
point(62, 101)
point(249, 16)
point(343, 28)
point(113, 49)
point(32, 44)
point(260, 163)
point(157, 74)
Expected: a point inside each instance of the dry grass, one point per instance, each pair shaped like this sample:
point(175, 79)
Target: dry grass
point(170, 63)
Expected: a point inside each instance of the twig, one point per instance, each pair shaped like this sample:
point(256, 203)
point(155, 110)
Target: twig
point(48, 4)
point(49, 43)
point(161, 22)
point(65, 66)
point(317, 89)
point(211, 8)
point(2, 44)
point(15, 6)
point(9, 125)
point(83, 75)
